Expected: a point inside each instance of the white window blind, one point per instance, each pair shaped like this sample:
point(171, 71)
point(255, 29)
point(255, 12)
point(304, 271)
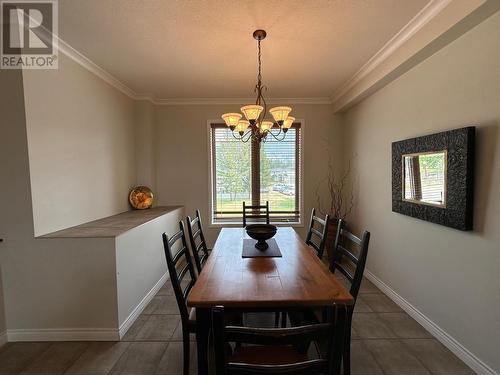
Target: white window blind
point(280, 179)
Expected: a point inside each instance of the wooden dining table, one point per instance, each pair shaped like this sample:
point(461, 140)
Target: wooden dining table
point(296, 279)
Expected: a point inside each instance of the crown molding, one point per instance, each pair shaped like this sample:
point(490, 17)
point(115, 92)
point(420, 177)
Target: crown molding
point(431, 10)
point(88, 64)
point(239, 101)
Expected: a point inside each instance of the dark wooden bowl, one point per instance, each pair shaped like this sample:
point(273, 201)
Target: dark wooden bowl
point(261, 233)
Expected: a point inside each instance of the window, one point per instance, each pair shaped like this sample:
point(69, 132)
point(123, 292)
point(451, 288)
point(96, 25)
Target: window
point(275, 165)
point(425, 178)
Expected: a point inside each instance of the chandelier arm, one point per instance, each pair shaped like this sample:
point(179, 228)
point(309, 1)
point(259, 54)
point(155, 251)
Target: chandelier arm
point(235, 137)
point(276, 136)
point(240, 138)
point(279, 131)
point(249, 134)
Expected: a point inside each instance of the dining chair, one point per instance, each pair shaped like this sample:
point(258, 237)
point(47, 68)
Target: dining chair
point(349, 258)
point(195, 231)
point(259, 213)
point(271, 350)
point(181, 289)
point(318, 232)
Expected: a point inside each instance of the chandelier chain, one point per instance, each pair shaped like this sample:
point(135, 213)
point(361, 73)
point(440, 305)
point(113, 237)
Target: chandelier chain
point(259, 76)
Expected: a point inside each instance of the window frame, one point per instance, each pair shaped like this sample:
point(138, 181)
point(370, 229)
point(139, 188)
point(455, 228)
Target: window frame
point(238, 223)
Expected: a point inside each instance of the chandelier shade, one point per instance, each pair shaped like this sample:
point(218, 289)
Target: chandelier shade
point(252, 112)
point(280, 113)
point(242, 126)
point(255, 128)
point(266, 125)
point(231, 119)
point(287, 124)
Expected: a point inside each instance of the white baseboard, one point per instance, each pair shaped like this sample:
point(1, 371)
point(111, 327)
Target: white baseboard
point(124, 327)
point(458, 349)
point(3, 338)
point(83, 334)
point(63, 334)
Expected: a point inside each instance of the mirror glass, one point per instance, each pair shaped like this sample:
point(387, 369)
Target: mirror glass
point(424, 178)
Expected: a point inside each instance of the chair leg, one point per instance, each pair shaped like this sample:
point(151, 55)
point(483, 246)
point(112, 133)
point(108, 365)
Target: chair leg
point(283, 319)
point(346, 359)
point(185, 352)
point(346, 355)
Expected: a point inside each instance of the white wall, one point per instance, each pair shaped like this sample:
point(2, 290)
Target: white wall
point(182, 154)
point(450, 276)
point(82, 155)
point(3, 325)
point(145, 143)
point(140, 260)
point(81, 146)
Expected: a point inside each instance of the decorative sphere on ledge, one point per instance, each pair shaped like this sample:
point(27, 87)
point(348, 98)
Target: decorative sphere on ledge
point(141, 198)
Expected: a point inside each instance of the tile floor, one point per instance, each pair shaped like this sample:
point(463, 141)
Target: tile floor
point(385, 341)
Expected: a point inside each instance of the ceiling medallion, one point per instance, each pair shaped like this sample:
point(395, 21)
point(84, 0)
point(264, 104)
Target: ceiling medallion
point(255, 127)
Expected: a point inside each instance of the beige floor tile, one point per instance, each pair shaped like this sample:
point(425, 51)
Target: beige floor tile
point(438, 359)
point(362, 361)
point(141, 358)
point(166, 289)
point(361, 305)
point(380, 303)
point(177, 336)
point(370, 326)
point(158, 328)
point(172, 360)
point(162, 305)
point(368, 287)
point(135, 328)
point(153, 304)
point(354, 334)
point(14, 357)
point(98, 359)
point(404, 326)
point(56, 359)
point(394, 359)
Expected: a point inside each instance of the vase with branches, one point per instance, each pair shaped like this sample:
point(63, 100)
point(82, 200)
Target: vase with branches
point(335, 197)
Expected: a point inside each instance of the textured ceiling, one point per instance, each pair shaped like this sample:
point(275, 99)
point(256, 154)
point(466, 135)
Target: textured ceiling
point(205, 49)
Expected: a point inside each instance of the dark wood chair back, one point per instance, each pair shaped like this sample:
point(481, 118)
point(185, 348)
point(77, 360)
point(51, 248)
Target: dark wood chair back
point(318, 232)
point(257, 213)
point(282, 337)
point(197, 240)
point(351, 264)
point(182, 261)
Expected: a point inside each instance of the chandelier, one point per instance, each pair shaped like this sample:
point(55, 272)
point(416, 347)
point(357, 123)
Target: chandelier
point(256, 127)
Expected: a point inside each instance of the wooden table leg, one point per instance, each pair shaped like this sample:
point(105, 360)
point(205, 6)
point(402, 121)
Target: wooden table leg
point(202, 332)
point(340, 327)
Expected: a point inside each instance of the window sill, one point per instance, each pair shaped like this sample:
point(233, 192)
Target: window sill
point(239, 224)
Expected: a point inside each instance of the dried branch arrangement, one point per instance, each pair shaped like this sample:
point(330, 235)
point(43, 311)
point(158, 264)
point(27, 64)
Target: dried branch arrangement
point(340, 195)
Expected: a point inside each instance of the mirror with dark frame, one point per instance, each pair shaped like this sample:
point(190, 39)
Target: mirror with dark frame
point(424, 178)
point(433, 177)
